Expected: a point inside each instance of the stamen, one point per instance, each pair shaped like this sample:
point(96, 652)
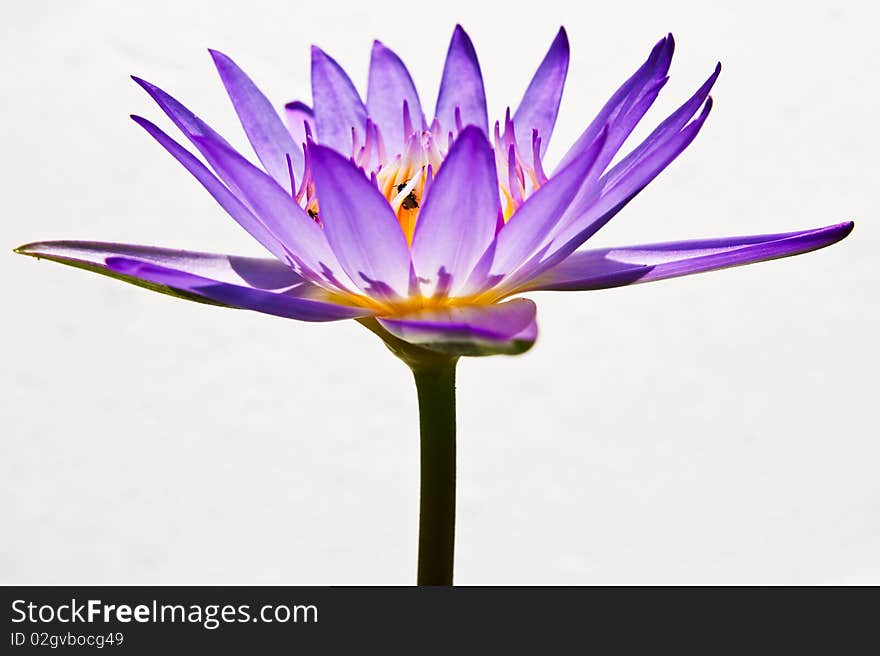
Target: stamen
point(514, 180)
point(290, 173)
point(407, 121)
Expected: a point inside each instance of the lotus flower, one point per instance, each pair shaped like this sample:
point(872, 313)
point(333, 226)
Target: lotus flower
point(372, 211)
point(426, 231)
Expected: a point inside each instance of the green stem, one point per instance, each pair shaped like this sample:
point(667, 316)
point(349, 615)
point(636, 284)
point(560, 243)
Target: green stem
point(435, 383)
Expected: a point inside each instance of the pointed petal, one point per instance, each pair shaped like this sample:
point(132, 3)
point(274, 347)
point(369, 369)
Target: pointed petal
point(575, 229)
point(299, 115)
point(502, 328)
point(238, 296)
point(360, 226)
point(462, 86)
point(530, 226)
point(613, 267)
point(389, 86)
point(227, 200)
point(671, 125)
point(457, 220)
point(305, 241)
point(540, 103)
point(264, 128)
point(628, 104)
point(191, 125)
point(337, 104)
point(260, 273)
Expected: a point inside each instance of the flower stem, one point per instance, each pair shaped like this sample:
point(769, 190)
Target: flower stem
point(435, 383)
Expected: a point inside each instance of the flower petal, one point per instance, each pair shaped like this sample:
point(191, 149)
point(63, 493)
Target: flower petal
point(239, 296)
point(671, 125)
point(461, 86)
point(300, 121)
point(507, 328)
point(337, 104)
point(389, 86)
point(191, 125)
point(260, 273)
point(577, 227)
point(628, 104)
point(540, 103)
point(227, 200)
point(264, 128)
point(529, 226)
point(458, 217)
point(360, 226)
point(307, 246)
point(613, 267)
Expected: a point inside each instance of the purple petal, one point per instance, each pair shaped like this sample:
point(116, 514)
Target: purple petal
point(628, 104)
point(260, 273)
point(188, 123)
point(469, 329)
point(305, 241)
point(389, 86)
point(528, 228)
point(595, 199)
point(576, 228)
point(227, 200)
point(360, 225)
point(458, 217)
point(264, 128)
point(337, 104)
point(672, 124)
point(461, 86)
point(191, 125)
point(246, 298)
point(300, 121)
point(613, 267)
point(540, 103)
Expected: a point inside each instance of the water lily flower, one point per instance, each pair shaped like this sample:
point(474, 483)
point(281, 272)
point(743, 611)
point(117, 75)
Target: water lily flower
point(426, 229)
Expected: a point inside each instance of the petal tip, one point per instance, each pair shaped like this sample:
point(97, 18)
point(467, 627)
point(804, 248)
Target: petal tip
point(844, 229)
point(26, 249)
point(562, 38)
point(297, 105)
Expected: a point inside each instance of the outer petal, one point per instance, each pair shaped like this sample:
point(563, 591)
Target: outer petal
point(300, 120)
point(628, 104)
point(530, 225)
point(613, 267)
point(389, 86)
point(462, 86)
point(227, 200)
point(260, 273)
point(664, 134)
point(264, 128)
point(540, 103)
point(577, 228)
point(305, 241)
point(239, 296)
point(337, 104)
point(360, 226)
point(458, 217)
point(191, 125)
point(668, 128)
point(470, 329)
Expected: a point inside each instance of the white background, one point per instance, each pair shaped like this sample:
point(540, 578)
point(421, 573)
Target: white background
point(713, 429)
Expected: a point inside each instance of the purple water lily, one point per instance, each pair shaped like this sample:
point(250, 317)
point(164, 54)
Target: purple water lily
point(373, 211)
point(426, 231)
